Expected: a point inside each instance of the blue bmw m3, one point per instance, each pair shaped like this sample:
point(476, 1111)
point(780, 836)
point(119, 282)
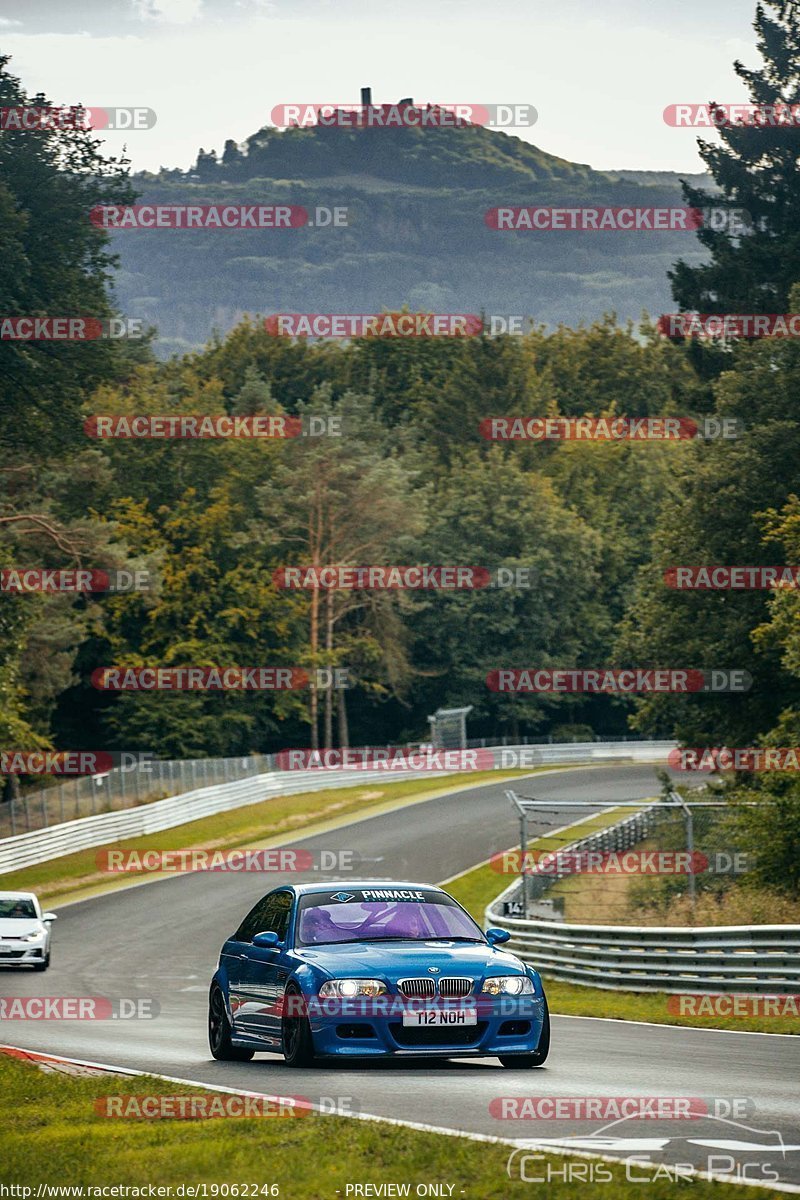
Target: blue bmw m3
point(372, 969)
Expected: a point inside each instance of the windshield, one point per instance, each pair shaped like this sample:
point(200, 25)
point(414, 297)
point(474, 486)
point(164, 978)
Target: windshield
point(17, 907)
point(324, 920)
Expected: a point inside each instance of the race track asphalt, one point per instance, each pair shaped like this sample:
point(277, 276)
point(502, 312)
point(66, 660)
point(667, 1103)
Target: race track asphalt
point(162, 939)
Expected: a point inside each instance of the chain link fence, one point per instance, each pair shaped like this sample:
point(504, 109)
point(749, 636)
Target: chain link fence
point(122, 788)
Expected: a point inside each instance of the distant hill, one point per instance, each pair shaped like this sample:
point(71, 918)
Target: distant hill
point(416, 234)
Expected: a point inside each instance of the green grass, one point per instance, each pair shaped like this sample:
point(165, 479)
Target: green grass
point(475, 889)
point(78, 874)
point(50, 1133)
point(572, 999)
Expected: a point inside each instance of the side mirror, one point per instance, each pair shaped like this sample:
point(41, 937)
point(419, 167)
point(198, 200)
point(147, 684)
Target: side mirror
point(49, 916)
point(496, 937)
point(266, 941)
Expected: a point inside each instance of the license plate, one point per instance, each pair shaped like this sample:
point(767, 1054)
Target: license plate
point(441, 1016)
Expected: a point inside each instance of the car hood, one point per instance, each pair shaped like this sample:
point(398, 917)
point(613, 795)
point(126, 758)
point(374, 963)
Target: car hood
point(19, 926)
point(396, 960)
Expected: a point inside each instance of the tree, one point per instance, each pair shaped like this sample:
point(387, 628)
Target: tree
point(757, 168)
point(716, 516)
point(231, 155)
point(53, 262)
point(489, 511)
point(341, 500)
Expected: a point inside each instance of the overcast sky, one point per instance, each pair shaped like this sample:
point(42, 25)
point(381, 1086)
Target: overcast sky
point(600, 72)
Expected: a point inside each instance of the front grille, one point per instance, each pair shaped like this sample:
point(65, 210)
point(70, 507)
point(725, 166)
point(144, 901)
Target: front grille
point(12, 953)
point(454, 986)
point(417, 988)
point(438, 1035)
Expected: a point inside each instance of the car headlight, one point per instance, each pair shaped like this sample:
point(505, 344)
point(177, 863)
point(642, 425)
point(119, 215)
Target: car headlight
point(508, 985)
point(34, 937)
point(345, 988)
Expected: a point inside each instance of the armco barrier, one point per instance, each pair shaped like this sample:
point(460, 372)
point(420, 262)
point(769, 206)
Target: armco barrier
point(762, 959)
point(27, 849)
point(41, 845)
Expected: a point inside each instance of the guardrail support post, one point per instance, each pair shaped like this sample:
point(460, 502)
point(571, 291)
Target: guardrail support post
point(687, 812)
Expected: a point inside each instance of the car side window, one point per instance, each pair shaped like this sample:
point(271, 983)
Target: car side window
point(254, 921)
point(271, 914)
point(277, 915)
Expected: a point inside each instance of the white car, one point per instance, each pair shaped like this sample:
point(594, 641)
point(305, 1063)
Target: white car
point(24, 931)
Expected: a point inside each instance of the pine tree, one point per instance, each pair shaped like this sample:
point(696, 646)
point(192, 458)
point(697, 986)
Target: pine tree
point(757, 167)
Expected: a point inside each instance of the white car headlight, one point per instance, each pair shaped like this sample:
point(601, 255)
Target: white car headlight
point(346, 988)
point(508, 985)
point(34, 937)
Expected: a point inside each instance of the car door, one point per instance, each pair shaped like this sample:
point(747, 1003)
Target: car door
point(265, 970)
point(235, 961)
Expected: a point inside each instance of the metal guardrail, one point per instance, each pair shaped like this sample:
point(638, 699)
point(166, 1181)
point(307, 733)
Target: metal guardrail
point(40, 845)
point(708, 959)
point(28, 849)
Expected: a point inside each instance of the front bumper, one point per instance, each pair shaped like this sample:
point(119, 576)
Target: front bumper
point(21, 954)
point(504, 1025)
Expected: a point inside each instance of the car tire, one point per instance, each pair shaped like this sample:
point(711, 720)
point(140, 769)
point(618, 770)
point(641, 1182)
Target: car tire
point(44, 964)
point(296, 1035)
point(219, 1031)
point(539, 1055)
